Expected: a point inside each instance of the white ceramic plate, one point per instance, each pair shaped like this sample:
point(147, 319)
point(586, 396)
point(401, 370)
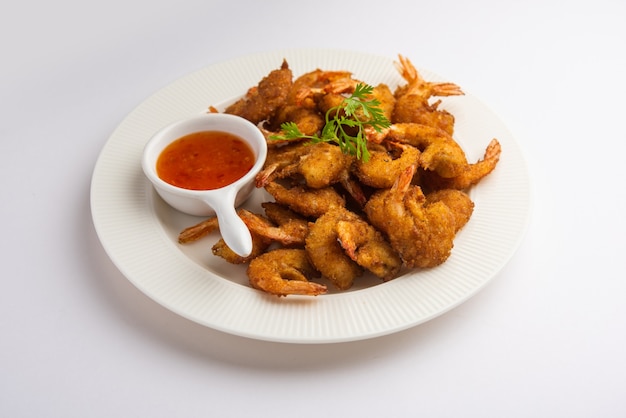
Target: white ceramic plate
point(139, 231)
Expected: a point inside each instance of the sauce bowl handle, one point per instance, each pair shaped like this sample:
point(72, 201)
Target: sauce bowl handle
point(233, 230)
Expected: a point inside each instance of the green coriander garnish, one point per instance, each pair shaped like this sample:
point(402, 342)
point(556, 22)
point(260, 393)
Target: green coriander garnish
point(345, 123)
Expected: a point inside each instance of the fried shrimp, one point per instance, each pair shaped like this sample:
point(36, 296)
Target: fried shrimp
point(320, 165)
point(422, 233)
point(260, 244)
point(414, 109)
point(367, 247)
point(308, 120)
point(327, 255)
point(290, 232)
point(439, 151)
point(459, 203)
point(301, 104)
point(261, 102)
point(386, 164)
point(309, 87)
point(471, 173)
point(304, 200)
point(278, 160)
point(412, 104)
point(417, 86)
point(385, 97)
point(283, 272)
point(280, 214)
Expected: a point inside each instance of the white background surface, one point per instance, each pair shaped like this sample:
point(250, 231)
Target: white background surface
point(545, 338)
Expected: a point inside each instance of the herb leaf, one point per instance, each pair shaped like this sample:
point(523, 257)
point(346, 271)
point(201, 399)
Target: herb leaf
point(346, 123)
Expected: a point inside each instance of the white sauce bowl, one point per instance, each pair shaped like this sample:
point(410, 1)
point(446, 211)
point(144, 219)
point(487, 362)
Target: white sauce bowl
point(223, 201)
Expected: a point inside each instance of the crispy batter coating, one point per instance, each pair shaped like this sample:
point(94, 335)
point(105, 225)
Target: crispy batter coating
point(420, 232)
point(327, 255)
point(321, 165)
point(367, 247)
point(470, 175)
point(283, 272)
point(290, 232)
point(439, 151)
point(306, 201)
point(261, 102)
point(459, 203)
point(412, 99)
point(385, 165)
point(260, 244)
point(414, 109)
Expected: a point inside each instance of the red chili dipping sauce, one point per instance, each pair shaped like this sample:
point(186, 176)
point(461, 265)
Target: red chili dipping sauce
point(205, 160)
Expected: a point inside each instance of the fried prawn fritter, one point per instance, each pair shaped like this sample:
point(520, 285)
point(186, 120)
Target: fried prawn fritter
point(278, 160)
point(290, 232)
point(304, 200)
point(261, 102)
point(421, 232)
point(385, 164)
point(283, 272)
point(280, 214)
point(414, 109)
point(310, 87)
point(301, 103)
point(260, 244)
point(327, 255)
point(321, 165)
point(412, 99)
point(459, 203)
point(439, 151)
point(471, 173)
point(367, 247)
point(309, 121)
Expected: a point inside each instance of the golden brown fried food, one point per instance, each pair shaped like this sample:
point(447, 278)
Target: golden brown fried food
point(471, 173)
point(283, 272)
point(412, 99)
point(327, 255)
point(301, 106)
point(324, 165)
point(306, 201)
point(421, 233)
point(280, 214)
point(367, 247)
point(260, 244)
point(385, 97)
point(439, 151)
point(309, 87)
point(291, 232)
point(320, 165)
point(414, 109)
point(459, 203)
point(278, 160)
point(308, 120)
point(385, 164)
point(261, 102)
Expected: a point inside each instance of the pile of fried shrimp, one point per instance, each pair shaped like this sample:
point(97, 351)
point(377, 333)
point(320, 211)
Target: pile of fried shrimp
point(336, 216)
